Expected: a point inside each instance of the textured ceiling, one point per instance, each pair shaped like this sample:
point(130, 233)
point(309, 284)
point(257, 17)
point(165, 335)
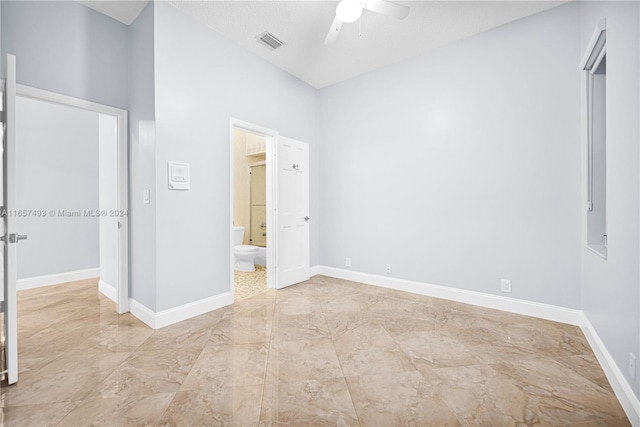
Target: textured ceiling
point(303, 26)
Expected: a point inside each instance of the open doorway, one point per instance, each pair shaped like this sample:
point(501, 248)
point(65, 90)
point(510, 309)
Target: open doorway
point(251, 206)
point(72, 193)
point(286, 166)
point(252, 150)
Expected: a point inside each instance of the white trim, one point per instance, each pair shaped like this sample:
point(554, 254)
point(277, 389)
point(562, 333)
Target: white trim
point(620, 385)
point(108, 290)
point(56, 98)
point(314, 271)
point(56, 279)
point(512, 305)
point(143, 313)
point(177, 314)
point(122, 175)
point(601, 27)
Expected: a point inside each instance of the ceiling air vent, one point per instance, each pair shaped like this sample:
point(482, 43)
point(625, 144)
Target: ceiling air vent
point(270, 41)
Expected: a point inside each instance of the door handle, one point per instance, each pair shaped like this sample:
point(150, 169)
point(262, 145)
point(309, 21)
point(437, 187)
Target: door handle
point(13, 237)
point(306, 218)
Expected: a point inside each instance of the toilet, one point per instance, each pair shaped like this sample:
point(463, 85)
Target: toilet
point(244, 254)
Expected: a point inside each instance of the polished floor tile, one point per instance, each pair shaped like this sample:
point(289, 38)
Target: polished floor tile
point(324, 352)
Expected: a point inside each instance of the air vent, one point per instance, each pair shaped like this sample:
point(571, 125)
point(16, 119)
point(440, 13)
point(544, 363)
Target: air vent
point(270, 41)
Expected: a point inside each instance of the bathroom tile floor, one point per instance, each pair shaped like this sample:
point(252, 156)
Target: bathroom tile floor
point(324, 352)
point(248, 285)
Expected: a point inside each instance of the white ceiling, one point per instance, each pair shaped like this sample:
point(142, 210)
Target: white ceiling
point(125, 11)
point(303, 26)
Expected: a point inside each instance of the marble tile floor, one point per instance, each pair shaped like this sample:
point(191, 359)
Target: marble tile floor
point(324, 352)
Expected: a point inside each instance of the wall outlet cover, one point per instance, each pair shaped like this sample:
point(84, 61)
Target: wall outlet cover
point(505, 285)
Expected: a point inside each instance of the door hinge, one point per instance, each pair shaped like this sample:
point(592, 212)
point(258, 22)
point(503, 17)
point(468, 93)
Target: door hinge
point(2, 306)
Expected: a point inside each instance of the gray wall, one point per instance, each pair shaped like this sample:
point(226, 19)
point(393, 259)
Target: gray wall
point(57, 168)
point(462, 167)
point(142, 157)
point(108, 198)
point(65, 47)
point(202, 80)
point(610, 291)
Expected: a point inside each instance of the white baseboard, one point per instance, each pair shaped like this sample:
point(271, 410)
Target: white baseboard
point(512, 305)
point(56, 279)
point(177, 314)
point(619, 383)
point(143, 313)
point(314, 271)
point(621, 387)
point(108, 291)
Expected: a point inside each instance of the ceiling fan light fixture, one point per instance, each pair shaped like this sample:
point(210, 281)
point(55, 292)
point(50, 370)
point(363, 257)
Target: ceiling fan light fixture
point(349, 10)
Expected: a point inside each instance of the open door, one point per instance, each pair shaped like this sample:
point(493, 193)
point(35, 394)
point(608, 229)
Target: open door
point(292, 165)
point(9, 233)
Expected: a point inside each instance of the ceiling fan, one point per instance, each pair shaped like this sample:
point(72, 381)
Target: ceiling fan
point(350, 10)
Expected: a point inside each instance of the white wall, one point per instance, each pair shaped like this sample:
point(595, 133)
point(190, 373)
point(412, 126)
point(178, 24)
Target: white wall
point(65, 47)
point(610, 291)
point(202, 80)
point(57, 169)
point(462, 167)
point(108, 199)
point(142, 157)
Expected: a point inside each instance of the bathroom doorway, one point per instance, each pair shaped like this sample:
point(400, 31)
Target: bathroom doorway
point(250, 233)
point(286, 183)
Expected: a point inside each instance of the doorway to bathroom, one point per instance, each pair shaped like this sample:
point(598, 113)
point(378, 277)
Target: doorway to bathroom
point(250, 206)
point(286, 183)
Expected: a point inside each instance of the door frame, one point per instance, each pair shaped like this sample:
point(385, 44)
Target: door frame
point(122, 287)
point(271, 137)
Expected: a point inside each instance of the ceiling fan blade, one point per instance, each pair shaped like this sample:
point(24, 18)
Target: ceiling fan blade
point(387, 8)
point(332, 36)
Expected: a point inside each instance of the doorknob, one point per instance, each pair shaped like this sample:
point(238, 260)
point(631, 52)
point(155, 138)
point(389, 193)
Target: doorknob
point(14, 237)
point(306, 218)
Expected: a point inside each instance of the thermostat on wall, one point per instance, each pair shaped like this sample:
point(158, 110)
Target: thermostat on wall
point(178, 176)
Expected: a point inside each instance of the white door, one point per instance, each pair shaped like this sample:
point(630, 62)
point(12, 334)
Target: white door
point(9, 233)
point(292, 259)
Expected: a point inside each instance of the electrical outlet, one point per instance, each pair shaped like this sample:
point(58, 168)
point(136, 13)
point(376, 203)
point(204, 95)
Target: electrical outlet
point(388, 269)
point(347, 262)
point(505, 285)
point(632, 365)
